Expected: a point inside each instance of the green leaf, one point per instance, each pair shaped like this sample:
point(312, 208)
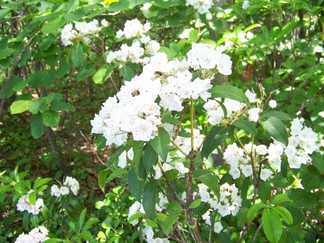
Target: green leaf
point(135, 216)
point(277, 114)
point(194, 35)
point(6, 52)
point(251, 27)
point(32, 198)
point(61, 106)
point(77, 55)
point(317, 161)
point(39, 182)
point(51, 118)
point(285, 214)
point(102, 178)
point(209, 179)
point(149, 198)
point(264, 191)
point(167, 225)
point(230, 92)
point(150, 157)
point(54, 25)
point(195, 203)
point(272, 226)
point(137, 162)
point(254, 211)
point(3, 13)
point(161, 143)
point(276, 129)
point(36, 126)
point(19, 106)
point(287, 28)
point(116, 173)
point(135, 184)
point(100, 76)
point(246, 125)
point(281, 198)
point(82, 217)
point(213, 140)
point(127, 72)
point(118, 6)
point(53, 240)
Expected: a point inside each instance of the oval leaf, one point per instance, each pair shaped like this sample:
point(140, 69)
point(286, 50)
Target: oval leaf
point(272, 226)
point(36, 126)
point(230, 92)
point(246, 125)
point(285, 214)
point(254, 211)
point(213, 139)
point(77, 55)
point(149, 198)
point(276, 129)
point(281, 198)
point(50, 118)
point(19, 106)
point(161, 143)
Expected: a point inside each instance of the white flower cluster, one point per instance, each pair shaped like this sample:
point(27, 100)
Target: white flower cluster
point(141, 48)
point(136, 108)
point(36, 235)
point(302, 143)
point(81, 31)
point(133, 28)
point(217, 225)
point(24, 204)
point(228, 203)
point(70, 185)
point(201, 5)
point(148, 234)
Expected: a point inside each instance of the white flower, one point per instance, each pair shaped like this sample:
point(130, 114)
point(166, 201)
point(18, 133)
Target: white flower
point(265, 174)
point(55, 191)
point(246, 170)
point(251, 96)
point(246, 4)
point(273, 103)
point(201, 5)
point(64, 190)
point(133, 28)
point(36, 235)
point(202, 56)
point(233, 154)
point(218, 227)
point(206, 217)
point(181, 168)
point(203, 193)
point(254, 114)
point(122, 159)
point(261, 149)
point(104, 23)
point(24, 204)
point(136, 207)
point(73, 184)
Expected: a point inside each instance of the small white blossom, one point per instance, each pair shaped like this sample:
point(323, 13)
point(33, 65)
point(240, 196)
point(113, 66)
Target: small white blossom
point(273, 104)
point(254, 114)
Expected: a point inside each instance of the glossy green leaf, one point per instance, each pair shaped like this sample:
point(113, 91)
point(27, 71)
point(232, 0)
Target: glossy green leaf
point(276, 129)
point(37, 126)
point(195, 203)
point(54, 25)
point(19, 106)
point(150, 157)
point(317, 161)
point(100, 76)
point(40, 182)
point(51, 118)
point(264, 191)
point(167, 225)
point(61, 106)
point(161, 143)
point(254, 211)
point(281, 198)
point(284, 214)
point(77, 55)
point(82, 217)
point(102, 177)
point(136, 216)
point(149, 198)
point(230, 92)
point(277, 114)
point(135, 184)
point(272, 226)
point(246, 125)
point(213, 140)
point(32, 198)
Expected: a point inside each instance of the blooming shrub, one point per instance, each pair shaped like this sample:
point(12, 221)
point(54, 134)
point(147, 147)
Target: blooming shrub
point(212, 121)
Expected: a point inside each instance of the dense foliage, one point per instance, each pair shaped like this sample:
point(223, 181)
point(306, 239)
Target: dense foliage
point(161, 121)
